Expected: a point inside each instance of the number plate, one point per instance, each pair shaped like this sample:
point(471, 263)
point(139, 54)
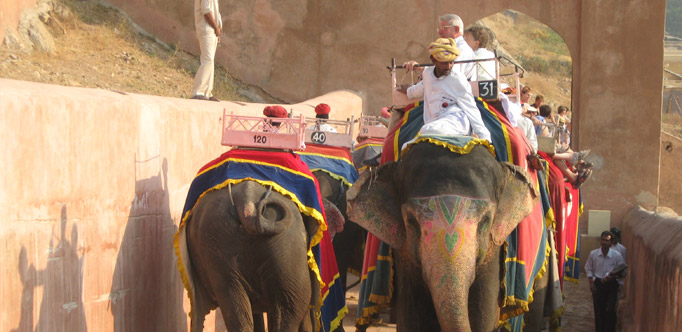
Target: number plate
point(487, 89)
point(318, 137)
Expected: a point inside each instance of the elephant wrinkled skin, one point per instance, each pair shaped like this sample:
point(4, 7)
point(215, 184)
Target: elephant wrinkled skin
point(446, 216)
point(249, 258)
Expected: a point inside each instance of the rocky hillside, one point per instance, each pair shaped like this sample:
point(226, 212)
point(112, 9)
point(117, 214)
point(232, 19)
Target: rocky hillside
point(91, 44)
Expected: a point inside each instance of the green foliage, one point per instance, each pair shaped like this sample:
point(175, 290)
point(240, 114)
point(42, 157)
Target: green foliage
point(549, 41)
point(673, 18)
point(556, 67)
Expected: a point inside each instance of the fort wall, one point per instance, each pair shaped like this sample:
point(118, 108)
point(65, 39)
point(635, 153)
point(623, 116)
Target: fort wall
point(93, 184)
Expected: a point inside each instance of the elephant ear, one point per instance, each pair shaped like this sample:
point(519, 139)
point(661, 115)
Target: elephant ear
point(516, 199)
point(335, 218)
point(373, 204)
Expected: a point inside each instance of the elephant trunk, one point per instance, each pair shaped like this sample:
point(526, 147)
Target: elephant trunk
point(449, 247)
point(250, 218)
point(260, 213)
point(449, 282)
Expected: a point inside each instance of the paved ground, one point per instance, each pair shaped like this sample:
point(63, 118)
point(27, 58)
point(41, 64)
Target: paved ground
point(578, 315)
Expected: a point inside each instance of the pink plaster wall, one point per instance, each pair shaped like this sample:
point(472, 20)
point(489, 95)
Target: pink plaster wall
point(653, 287)
point(92, 186)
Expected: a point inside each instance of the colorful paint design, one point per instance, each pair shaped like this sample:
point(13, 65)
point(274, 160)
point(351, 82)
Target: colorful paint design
point(449, 221)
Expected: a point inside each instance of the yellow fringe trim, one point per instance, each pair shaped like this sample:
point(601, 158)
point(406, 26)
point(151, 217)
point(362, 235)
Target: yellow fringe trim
point(309, 211)
point(339, 318)
point(523, 305)
point(344, 159)
point(381, 301)
point(333, 175)
point(183, 273)
point(454, 148)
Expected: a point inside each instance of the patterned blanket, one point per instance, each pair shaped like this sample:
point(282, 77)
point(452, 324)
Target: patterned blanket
point(289, 176)
point(365, 150)
point(333, 160)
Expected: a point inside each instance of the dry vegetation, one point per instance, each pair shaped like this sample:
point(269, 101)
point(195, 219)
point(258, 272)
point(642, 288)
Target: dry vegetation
point(96, 48)
point(540, 50)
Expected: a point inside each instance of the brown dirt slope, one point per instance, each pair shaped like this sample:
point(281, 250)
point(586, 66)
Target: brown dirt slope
point(96, 47)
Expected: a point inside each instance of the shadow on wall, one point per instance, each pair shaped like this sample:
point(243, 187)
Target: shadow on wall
point(62, 281)
point(146, 292)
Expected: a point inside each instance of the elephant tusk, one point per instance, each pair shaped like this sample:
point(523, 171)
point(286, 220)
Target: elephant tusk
point(268, 192)
point(229, 190)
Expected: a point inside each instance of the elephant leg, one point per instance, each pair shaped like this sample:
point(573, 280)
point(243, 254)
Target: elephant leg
point(484, 294)
point(258, 322)
point(414, 305)
point(534, 319)
point(236, 309)
point(200, 308)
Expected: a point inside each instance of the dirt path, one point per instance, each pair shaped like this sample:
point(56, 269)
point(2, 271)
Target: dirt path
point(578, 314)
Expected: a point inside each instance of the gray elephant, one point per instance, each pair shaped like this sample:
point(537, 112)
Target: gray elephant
point(245, 247)
point(446, 215)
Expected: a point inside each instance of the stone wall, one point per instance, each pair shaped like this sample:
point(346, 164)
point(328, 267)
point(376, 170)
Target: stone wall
point(653, 287)
point(93, 183)
point(670, 190)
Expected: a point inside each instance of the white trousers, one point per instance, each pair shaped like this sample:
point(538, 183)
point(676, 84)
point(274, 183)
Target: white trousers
point(203, 80)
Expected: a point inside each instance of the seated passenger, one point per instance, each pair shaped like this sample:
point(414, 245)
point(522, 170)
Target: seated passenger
point(322, 114)
point(274, 111)
point(480, 41)
point(449, 106)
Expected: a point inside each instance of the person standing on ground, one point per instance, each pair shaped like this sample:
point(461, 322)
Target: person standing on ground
point(208, 24)
point(616, 244)
point(604, 287)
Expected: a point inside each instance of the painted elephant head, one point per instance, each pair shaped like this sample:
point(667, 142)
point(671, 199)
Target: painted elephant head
point(446, 216)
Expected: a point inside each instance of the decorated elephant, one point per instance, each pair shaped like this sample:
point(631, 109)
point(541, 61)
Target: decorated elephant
point(446, 215)
point(335, 172)
point(253, 240)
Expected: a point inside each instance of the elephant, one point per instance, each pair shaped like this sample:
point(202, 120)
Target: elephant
point(446, 215)
point(246, 248)
point(349, 238)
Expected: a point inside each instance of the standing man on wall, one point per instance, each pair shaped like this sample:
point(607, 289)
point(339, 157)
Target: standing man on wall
point(209, 25)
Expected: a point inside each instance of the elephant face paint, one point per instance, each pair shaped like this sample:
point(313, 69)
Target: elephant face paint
point(449, 245)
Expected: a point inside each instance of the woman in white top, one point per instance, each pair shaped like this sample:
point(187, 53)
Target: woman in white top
point(480, 40)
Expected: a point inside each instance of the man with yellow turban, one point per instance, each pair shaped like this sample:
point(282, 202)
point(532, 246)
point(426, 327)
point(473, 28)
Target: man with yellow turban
point(449, 106)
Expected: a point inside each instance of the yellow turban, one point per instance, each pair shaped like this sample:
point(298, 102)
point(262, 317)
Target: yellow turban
point(444, 50)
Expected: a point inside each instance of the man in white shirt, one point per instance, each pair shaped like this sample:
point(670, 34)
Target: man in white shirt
point(208, 24)
point(604, 286)
point(449, 106)
point(451, 26)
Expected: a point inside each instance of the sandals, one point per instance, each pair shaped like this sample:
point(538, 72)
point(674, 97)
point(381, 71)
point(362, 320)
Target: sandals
point(583, 165)
point(580, 156)
point(583, 175)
